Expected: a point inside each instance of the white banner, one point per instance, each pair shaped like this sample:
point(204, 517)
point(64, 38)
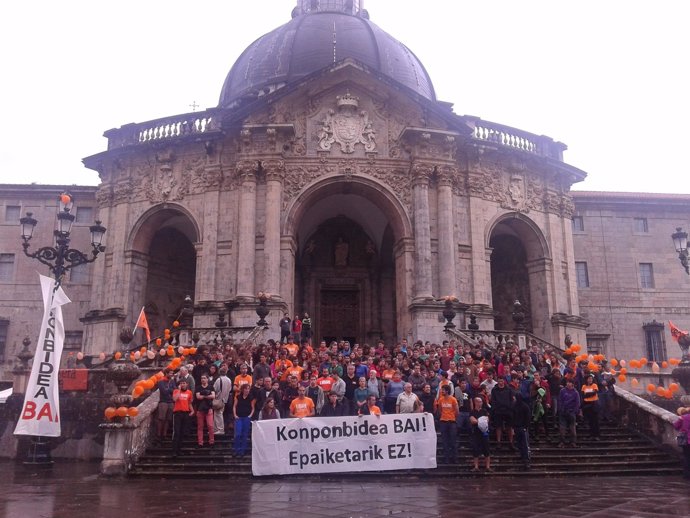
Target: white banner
point(339, 444)
point(41, 411)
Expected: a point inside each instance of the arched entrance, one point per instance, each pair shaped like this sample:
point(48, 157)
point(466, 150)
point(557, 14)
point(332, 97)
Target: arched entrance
point(163, 265)
point(518, 255)
point(347, 262)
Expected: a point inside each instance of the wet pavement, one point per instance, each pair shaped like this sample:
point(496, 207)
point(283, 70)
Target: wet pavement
point(75, 490)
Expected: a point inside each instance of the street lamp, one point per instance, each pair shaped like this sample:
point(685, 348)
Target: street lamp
point(61, 258)
point(680, 241)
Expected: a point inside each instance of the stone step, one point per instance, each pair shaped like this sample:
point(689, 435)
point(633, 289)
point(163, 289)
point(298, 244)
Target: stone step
point(462, 472)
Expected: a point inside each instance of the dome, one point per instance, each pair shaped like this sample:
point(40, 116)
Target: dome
point(321, 33)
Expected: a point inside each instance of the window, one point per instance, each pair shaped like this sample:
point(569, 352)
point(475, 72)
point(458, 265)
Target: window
point(596, 343)
point(640, 225)
point(6, 267)
point(79, 274)
point(84, 215)
point(73, 340)
point(654, 338)
point(4, 325)
point(12, 214)
point(578, 224)
point(646, 275)
point(582, 274)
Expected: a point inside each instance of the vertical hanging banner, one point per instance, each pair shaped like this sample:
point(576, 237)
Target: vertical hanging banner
point(339, 444)
point(41, 411)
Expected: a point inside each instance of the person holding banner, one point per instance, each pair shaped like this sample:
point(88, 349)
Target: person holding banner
point(370, 408)
point(333, 407)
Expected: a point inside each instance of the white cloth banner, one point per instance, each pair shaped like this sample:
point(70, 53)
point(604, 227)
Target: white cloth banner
point(339, 444)
point(41, 411)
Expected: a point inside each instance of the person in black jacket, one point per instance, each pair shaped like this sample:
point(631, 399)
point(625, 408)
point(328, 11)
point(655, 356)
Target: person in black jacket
point(522, 416)
point(332, 407)
point(502, 397)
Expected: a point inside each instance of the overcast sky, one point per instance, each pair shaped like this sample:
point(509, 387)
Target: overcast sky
point(609, 78)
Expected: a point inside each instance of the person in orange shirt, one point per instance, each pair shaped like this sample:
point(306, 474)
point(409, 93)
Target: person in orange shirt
point(182, 410)
point(370, 408)
point(242, 379)
point(292, 349)
point(590, 405)
point(447, 407)
point(302, 406)
point(295, 371)
point(281, 364)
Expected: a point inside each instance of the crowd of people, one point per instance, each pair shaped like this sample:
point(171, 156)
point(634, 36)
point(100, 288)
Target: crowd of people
point(516, 396)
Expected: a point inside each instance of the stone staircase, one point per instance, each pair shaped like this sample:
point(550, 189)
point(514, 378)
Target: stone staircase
point(619, 452)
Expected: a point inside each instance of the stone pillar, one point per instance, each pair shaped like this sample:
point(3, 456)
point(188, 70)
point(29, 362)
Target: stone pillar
point(274, 170)
point(422, 230)
point(246, 242)
point(446, 234)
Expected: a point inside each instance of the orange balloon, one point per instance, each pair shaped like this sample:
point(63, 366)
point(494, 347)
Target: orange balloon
point(651, 387)
point(160, 375)
point(148, 384)
point(159, 342)
point(138, 391)
point(668, 394)
point(634, 364)
point(176, 324)
point(614, 362)
point(635, 382)
point(132, 411)
point(142, 350)
point(660, 391)
point(65, 198)
point(576, 347)
point(122, 411)
point(568, 351)
point(118, 355)
point(622, 378)
point(644, 361)
point(674, 361)
point(171, 350)
point(674, 387)
point(664, 364)
point(166, 332)
point(110, 412)
point(624, 370)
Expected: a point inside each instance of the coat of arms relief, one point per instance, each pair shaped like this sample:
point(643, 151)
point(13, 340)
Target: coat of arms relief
point(347, 127)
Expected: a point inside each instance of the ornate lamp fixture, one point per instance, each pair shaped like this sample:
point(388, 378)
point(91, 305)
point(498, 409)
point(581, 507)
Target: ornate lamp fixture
point(61, 258)
point(680, 241)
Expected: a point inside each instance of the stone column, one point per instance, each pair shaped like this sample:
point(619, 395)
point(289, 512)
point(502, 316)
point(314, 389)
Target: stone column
point(246, 242)
point(422, 230)
point(274, 170)
point(446, 233)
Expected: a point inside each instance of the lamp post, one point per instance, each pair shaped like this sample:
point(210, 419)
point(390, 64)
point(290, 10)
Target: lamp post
point(680, 241)
point(59, 259)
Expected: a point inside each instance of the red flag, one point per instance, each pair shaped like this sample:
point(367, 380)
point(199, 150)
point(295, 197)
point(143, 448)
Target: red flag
point(144, 324)
point(675, 332)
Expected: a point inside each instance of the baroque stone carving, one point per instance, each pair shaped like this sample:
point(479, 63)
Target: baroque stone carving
point(514, 197)
point(296, 178)
point(347, 127)
point(397, 179)
point(104, 196)
point(273, 169)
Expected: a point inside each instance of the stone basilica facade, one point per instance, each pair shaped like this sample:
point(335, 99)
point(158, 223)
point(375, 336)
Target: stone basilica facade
point(331, 177)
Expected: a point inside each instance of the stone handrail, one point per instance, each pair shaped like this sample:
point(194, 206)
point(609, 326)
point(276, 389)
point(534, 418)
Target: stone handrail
point(515, 138)
point(648, 419)
point(195, 123)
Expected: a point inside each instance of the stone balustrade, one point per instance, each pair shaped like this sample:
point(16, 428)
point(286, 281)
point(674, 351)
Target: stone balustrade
point(494, 133)
point(196, 123)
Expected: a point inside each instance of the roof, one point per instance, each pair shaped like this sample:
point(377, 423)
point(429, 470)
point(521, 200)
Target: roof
point(315, 40)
